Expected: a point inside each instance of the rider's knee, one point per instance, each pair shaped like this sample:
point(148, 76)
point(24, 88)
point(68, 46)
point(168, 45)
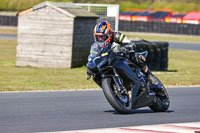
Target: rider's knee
point(139, 59)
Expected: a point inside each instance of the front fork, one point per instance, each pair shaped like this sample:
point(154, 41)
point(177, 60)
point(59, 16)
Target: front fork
point(118, 82)
point(134, 90)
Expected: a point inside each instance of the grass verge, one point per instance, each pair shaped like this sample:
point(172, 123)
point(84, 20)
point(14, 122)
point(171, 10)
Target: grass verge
point(8, 31)
point(184, 69)
point(181, 6)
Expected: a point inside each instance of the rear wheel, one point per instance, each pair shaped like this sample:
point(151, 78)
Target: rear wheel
point(161, 101)
point(120, 102)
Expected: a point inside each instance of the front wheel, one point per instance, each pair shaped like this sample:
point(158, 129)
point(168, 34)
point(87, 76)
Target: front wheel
point(121, 103)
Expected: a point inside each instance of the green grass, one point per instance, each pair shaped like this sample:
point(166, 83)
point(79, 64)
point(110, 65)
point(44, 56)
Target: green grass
point(8, 31)
point(14, 78)
point(181, 6)
point(184, 69)
point(176, 6)
point(19, 5)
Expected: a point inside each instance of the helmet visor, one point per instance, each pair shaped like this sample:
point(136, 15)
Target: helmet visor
point(101, 38)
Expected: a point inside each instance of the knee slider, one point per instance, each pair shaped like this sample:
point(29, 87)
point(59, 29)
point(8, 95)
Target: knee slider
point(140, 59)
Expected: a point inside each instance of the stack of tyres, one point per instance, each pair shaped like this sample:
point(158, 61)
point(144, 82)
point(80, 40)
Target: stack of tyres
point(160, 27)
point(198, 31)
point(8, 20)
point(164, 59)
point(158, 55)
point(157, 58)
point(162, 54)
point(2, 20)
point(122, 25)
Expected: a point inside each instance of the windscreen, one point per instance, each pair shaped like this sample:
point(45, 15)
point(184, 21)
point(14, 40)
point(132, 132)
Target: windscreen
point(96, 49)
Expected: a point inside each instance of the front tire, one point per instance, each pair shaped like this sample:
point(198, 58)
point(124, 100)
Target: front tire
point(116, 103)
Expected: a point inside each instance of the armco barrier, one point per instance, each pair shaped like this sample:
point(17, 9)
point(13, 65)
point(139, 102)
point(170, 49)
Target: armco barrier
point(160, 27)
point(157, 58)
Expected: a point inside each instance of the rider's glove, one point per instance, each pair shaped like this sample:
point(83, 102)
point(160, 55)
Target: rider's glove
point(129, 49)
point(131, 46)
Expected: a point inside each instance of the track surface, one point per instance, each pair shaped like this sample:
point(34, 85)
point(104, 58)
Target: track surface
point(26, 112)
point(8, 36)
point(184, 45)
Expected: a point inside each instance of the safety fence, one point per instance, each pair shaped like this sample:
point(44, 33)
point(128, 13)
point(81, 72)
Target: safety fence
point(109, 12)
point(159, 27)
point(157, 58)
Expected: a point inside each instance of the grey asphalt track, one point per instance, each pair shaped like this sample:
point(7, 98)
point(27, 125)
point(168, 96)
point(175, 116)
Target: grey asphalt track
point(185, 45)
point(25, 112)
point(8, 36)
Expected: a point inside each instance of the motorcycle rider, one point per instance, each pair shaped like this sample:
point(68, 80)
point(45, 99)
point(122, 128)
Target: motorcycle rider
point(104, 36)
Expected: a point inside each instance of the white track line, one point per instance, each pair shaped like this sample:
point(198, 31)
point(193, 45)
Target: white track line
point(193, 127)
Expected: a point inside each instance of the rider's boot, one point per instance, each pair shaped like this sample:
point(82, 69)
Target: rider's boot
point(151, 78)
point(141, 62)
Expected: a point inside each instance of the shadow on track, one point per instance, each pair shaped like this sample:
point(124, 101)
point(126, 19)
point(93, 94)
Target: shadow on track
point(138, 111)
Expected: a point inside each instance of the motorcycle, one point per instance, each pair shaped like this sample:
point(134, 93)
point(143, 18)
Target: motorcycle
point(124, 85)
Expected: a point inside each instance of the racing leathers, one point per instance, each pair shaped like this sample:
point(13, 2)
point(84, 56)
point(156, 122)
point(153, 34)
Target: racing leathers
point(119, 40)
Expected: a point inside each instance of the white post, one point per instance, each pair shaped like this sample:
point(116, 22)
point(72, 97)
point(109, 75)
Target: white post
point(88, 8)
point(117, 19)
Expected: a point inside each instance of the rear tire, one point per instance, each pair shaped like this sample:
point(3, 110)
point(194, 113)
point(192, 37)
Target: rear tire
point(110, 95)
point(161, 101)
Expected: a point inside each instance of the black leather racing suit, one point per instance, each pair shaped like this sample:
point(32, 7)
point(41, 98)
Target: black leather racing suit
point(135, 57)
point(119, 40)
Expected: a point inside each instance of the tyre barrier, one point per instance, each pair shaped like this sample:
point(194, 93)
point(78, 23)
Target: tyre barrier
point(8, 20)
point(159, 27)
point(157, 59)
